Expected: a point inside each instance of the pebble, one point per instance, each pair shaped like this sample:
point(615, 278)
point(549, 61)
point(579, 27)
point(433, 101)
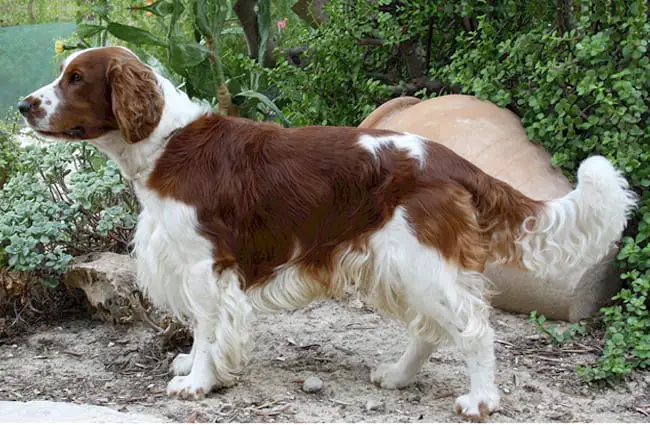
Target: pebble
point(414, 399)
point(372, 405)
point(313, 384)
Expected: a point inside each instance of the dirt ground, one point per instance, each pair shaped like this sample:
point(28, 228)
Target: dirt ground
point(125, 367)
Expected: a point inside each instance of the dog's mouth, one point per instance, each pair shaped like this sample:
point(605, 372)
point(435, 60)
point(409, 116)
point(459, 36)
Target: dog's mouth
point(76, 133)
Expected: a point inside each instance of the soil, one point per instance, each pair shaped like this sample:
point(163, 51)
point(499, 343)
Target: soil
point(125, 367)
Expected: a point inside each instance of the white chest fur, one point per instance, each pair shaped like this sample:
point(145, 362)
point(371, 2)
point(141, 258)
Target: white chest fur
point(174, 261)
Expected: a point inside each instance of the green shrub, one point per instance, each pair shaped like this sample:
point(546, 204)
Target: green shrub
point(333, 87)
point(556, 336)
point(61, 200)
point(580, 92)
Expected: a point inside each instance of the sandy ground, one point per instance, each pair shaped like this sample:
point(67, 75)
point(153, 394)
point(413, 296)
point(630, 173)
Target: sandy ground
point(125, 368)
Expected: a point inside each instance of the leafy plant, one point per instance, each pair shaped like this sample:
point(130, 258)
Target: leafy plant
point(62, 200)
point(581, 88)
point(331, 85)
point(185, 40)
point(558, 337)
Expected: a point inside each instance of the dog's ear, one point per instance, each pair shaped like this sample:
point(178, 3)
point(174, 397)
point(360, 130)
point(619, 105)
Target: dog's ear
point(137, 101)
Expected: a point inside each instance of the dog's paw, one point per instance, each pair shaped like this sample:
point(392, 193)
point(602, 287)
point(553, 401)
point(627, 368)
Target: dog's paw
point(389, 376)
point(476, 408)
point(189, 387)
point(182, 365)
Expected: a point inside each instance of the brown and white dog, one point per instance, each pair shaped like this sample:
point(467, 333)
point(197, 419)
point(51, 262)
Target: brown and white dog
point(240, 216)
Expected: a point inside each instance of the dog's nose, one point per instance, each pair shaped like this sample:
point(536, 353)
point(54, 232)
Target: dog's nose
point(24, 107)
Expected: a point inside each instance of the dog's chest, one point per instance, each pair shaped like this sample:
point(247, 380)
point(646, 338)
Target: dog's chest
point(173, 258)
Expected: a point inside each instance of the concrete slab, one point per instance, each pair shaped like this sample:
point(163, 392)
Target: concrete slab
point(50, 411)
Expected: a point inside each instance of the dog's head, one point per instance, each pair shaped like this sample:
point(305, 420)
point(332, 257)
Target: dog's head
point(99, 91)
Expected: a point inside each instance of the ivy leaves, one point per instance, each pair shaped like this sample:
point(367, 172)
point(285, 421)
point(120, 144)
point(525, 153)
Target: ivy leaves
point(580, 93)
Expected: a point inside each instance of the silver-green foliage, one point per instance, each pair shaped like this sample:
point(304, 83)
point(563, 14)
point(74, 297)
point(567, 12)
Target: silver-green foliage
point(61, 200)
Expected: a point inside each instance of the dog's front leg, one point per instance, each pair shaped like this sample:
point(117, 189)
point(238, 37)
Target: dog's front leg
point(220, 341)
point(182, 364)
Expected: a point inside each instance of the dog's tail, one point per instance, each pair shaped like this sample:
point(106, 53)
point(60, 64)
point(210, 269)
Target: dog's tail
point(553, 237)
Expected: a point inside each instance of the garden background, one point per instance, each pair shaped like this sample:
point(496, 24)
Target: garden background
point(575, 71)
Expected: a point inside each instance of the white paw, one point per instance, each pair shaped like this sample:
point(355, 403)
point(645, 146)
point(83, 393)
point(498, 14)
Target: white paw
point(190, 387)
point(477, 407)
point(182, 364)
point(389, 376)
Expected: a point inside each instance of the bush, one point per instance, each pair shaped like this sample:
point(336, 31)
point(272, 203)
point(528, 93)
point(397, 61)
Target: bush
point(332, 86)
point(58, 201)
point(580, 92)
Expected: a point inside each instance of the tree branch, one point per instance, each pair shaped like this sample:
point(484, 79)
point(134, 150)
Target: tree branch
point(413, 61)
point(245, 11)
point(409, 89)
point(247, 15)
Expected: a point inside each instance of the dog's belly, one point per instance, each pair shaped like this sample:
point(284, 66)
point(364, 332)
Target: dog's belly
point(371, 273)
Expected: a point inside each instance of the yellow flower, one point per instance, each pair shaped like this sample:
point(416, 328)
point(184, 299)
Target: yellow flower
point(59, 47)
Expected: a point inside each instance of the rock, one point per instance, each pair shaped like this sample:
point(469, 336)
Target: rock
point(49, 411)
point(313, 384)
point(415, 399)
point(109, 282)
point(374, 405)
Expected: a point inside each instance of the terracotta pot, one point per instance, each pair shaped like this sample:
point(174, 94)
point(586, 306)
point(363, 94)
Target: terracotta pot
point(493, 139)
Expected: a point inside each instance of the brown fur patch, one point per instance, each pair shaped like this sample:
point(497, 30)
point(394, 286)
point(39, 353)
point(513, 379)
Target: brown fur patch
point(264, 194)
point(483, 416)
point(101, 91)
point(136, 99)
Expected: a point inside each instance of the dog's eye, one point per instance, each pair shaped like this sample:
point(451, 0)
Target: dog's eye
point(75, 77)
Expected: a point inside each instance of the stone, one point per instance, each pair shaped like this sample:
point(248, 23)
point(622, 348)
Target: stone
point(50, 411)
point(374, 405)
point(313, 384)
point(109, 282)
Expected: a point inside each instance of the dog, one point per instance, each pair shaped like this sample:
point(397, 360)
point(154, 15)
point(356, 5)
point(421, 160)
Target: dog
point(241, 216)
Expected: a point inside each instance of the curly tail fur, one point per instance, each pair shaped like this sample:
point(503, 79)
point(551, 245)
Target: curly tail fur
point(579, 229)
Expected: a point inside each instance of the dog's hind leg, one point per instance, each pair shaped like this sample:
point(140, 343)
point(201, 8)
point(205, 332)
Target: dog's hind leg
point(400, 374)
point(458, 306)
point(441, 300)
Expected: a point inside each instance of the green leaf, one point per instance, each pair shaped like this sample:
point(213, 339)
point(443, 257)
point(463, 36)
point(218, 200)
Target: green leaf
point(233, 30)
point(50, 283)
point(264, 26)
point(161, 8)
point(134, 35)
point(267, 102)
point(221, 13)
point(88, 30)
point(211, 16)
point(202, 18)
point(185, 54)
